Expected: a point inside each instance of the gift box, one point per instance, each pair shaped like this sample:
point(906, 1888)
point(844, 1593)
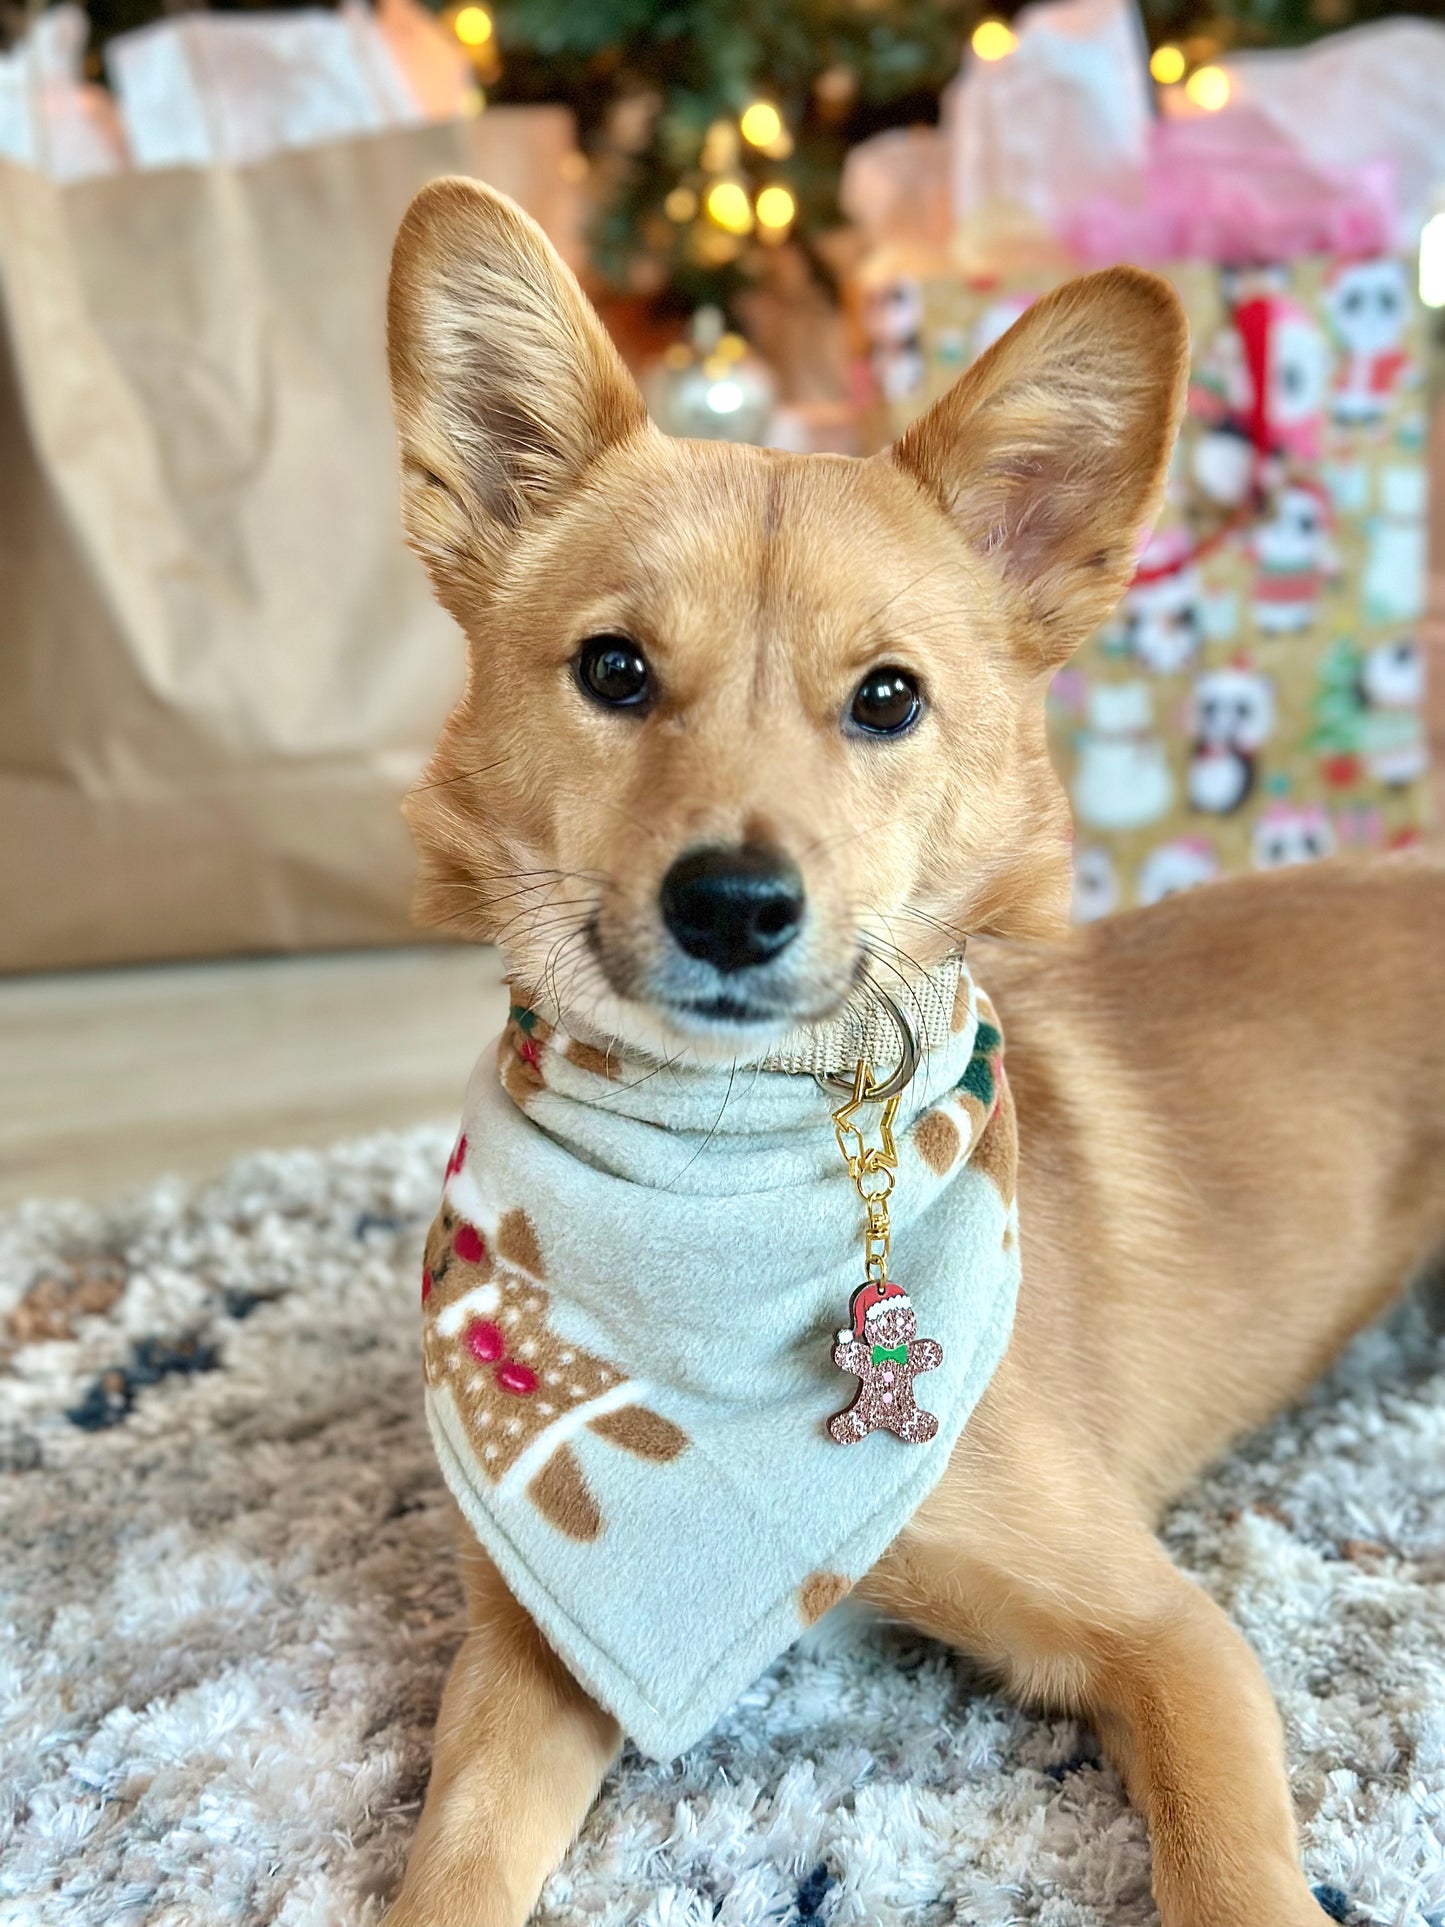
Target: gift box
point(1258, 698)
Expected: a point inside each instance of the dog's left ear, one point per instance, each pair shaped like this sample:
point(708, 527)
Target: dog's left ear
point(1050, 454)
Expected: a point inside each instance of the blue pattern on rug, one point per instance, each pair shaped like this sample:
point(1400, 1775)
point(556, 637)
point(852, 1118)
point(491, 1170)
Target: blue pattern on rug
point(110, 1398)
point(808, 1901)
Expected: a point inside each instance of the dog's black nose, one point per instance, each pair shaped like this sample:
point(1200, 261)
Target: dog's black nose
point(733, 908)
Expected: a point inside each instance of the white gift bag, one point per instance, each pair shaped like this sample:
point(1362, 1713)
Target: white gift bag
point(51, 119)
point(200, 88)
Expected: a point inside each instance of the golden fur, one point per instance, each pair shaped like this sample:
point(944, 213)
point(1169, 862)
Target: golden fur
point(1231, 1107)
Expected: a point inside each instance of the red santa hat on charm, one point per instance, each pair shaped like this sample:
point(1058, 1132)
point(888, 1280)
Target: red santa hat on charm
point(867, 1301)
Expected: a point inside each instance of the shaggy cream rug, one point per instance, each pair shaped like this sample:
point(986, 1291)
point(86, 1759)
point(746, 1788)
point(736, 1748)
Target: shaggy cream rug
point(228, 1603)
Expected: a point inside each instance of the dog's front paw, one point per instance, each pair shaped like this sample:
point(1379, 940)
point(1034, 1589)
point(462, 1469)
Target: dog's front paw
point(454, 1898)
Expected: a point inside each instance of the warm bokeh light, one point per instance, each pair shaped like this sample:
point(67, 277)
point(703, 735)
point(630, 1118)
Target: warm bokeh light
point(761, 123)
point(719, 147)
point(1208, 87)
point(992, 39)
point(730, 348)
point(473, 26)
point(1167, 65)
point(776, 207)
point(680, 205)
point(729, 206)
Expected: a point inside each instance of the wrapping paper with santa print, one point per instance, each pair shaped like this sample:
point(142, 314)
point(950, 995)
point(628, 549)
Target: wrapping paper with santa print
point(1258, 698)
point(631, 1300)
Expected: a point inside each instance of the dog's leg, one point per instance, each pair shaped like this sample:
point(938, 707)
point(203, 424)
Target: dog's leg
point(520, 1752)
point(1093, 1617)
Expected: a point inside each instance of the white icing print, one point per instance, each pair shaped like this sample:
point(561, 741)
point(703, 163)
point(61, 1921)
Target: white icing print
point(510, 1314)
point(553, 1378)
point(566, 1357)
point(491, 1451)
point(476, 1303)
point(528, 1347)
point(462, 1195)
point(579, 1391)
point(544, 1408)
point(531, 1460)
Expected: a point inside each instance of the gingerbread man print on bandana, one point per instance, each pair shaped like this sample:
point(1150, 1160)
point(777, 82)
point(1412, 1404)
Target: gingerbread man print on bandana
point(521, 1391)
point(882, 1349)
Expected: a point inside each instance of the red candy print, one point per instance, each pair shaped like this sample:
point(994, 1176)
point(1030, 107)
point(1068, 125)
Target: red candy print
point(519, 1379)
point(484, 1340)
point(458, 1157)
point(529, 1053)
point(468, 1244)
point(425, 1286)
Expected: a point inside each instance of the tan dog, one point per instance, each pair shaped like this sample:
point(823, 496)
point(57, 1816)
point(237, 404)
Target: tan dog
point(836, 671)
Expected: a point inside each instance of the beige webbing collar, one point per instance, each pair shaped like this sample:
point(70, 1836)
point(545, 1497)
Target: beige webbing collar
point(864, 1032)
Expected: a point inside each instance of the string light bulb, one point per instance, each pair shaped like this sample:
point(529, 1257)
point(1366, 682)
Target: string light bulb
point(728, 205)
point(1208, 88)
point(680, 205)
point(472, 26)
point(775, 207)
point(1167, 65)
point(993, 39)
point(760, 123)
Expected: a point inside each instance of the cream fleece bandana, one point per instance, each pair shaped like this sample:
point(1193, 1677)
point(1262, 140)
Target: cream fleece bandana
point(631, 1299)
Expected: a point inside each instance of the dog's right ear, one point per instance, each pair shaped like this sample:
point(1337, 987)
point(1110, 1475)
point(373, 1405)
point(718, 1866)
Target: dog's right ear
point(506, 385)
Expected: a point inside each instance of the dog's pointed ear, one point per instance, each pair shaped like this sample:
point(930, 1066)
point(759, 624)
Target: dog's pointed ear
point(506, 385)
point(1050, 454)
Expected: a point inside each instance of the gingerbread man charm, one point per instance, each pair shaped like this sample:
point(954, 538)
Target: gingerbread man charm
point(881, 1347)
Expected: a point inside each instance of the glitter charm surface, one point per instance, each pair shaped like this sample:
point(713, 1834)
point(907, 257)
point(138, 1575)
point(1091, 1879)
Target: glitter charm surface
point(881, 1346)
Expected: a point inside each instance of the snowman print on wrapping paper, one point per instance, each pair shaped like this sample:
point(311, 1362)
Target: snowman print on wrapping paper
point(1392, 720)
point(882, 1347)
point(1368, 304)
point(1231, 719)
point(1122, 778)
point(1294, 558)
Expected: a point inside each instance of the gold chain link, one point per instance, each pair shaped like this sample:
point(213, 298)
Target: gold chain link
point(872, 1170)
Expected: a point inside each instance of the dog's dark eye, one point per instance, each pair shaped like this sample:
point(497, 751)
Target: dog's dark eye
point(886, 702)
point(613, 670)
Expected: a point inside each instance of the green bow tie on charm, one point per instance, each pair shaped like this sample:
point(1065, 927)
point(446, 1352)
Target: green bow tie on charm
point(898, 1354)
